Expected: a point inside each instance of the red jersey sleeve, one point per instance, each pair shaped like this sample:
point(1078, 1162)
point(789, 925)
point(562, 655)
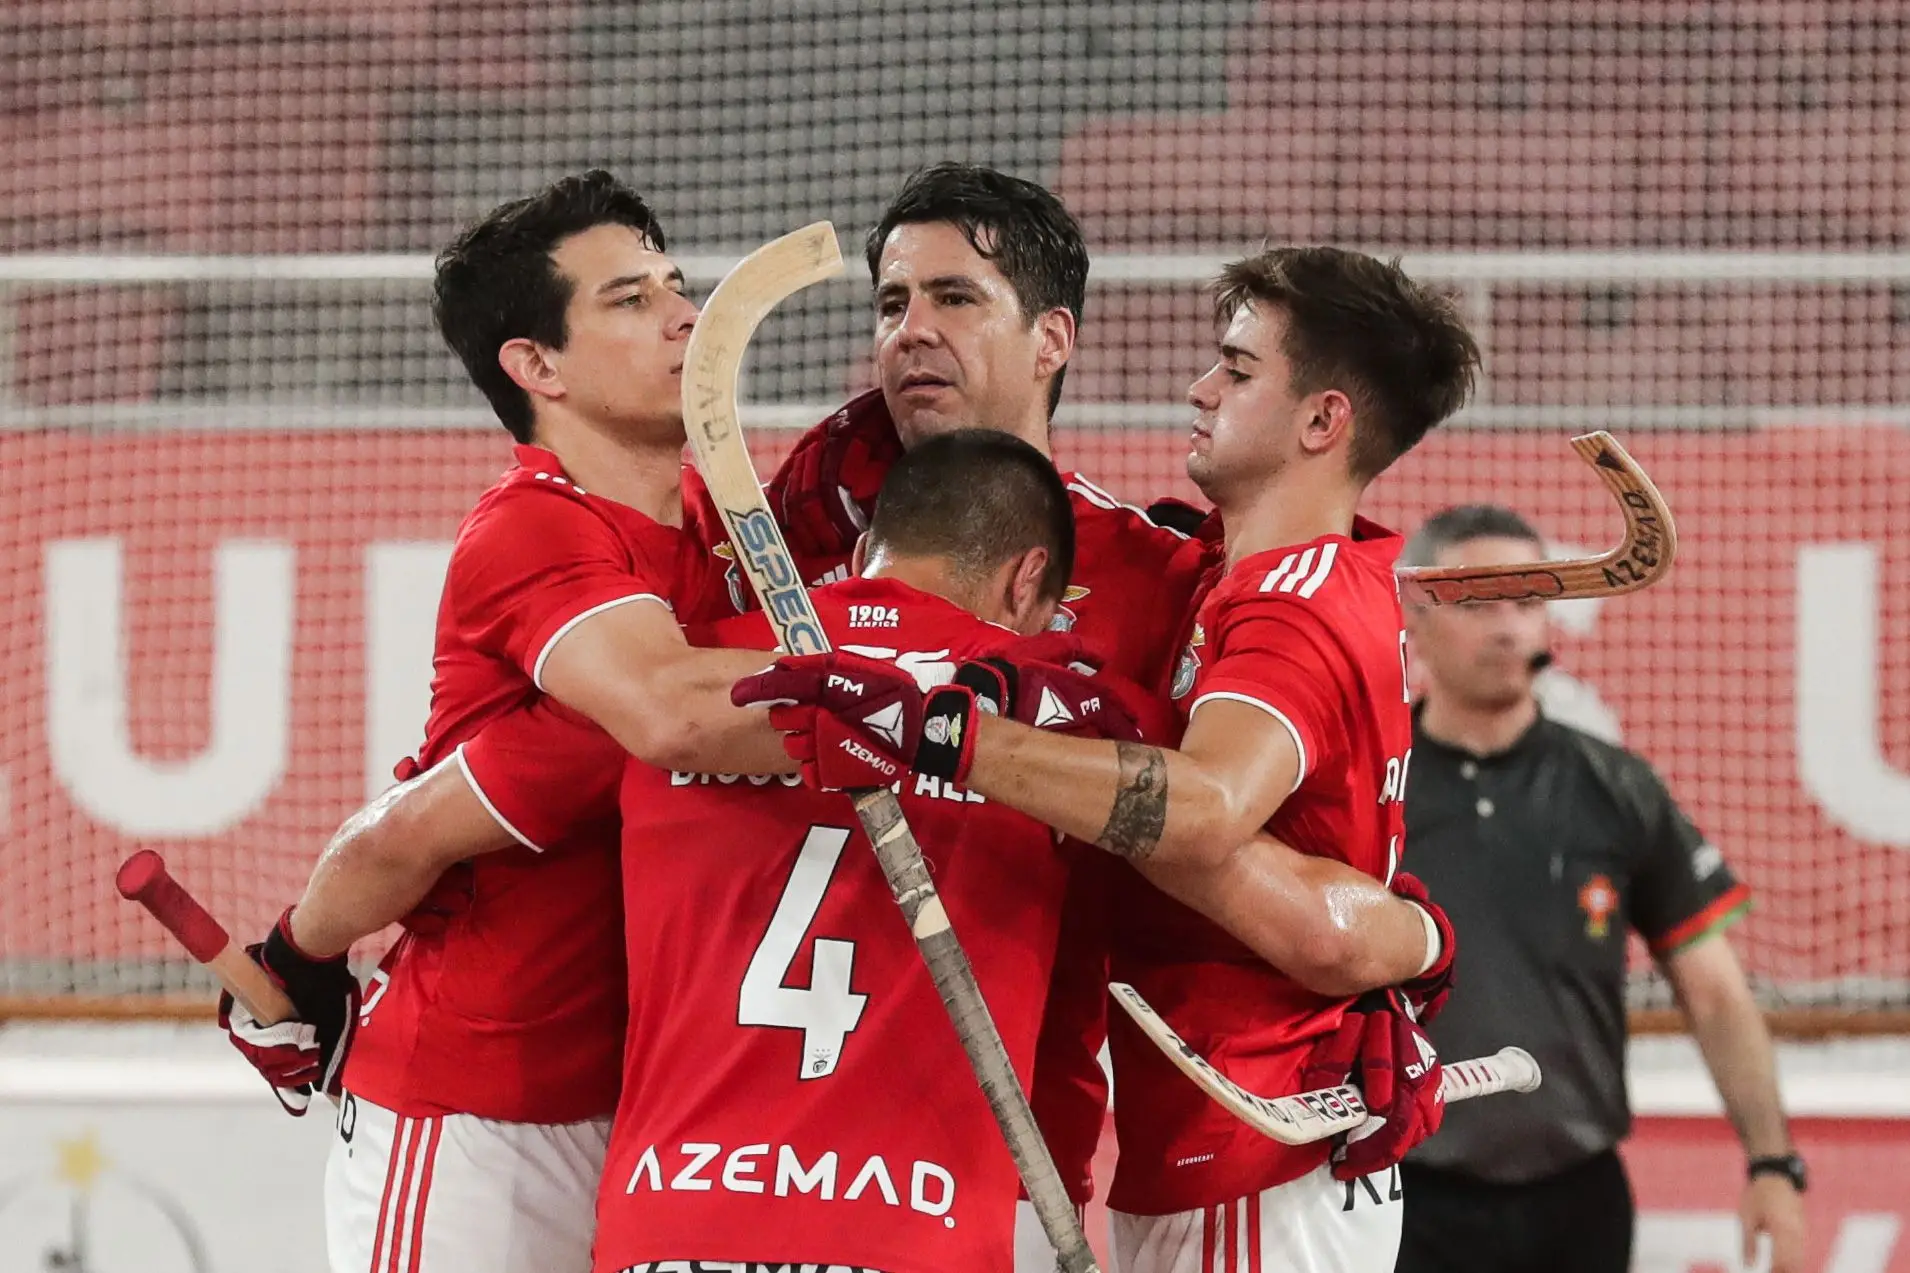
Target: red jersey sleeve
point(537, 561)
point(740, 632)
point(1277, 655)
point(545, 773)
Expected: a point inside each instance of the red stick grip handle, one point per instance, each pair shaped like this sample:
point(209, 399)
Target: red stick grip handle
point(143, 878)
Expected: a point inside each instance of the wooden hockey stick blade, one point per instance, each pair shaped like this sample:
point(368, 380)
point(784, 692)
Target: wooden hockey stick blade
point(739, 304)
point(1642, 559)
point(143, 878)
point(710, 366)
point(1307, 1117)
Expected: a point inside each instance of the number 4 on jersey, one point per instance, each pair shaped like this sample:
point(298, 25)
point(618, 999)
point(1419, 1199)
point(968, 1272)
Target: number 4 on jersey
point(825, 1010)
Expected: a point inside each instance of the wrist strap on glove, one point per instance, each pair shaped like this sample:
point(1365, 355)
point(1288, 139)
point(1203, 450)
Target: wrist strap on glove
point(948, 733)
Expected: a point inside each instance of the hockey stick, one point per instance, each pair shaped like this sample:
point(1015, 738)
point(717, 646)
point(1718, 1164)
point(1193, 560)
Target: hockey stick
point(143, 878)
point(740, 302)
point(1307, 1117)
point(1651, 541)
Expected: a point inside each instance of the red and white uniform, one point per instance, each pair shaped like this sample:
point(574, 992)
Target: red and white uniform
point(487, 1060)
point(793, 1089)
point(1312, 636)
point(1132, 598)
point(1132, 602)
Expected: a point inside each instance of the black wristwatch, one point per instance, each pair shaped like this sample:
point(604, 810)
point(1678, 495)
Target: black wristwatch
point(1789, 1166)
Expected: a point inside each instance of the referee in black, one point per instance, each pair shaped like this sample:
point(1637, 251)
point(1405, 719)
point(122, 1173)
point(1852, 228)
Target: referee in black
point(1545, 846)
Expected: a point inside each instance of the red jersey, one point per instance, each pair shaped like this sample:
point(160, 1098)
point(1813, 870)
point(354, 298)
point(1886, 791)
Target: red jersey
point(1312, 636)
point(1135, 583)
point(1132, 601)
point(793, 1088)
point(512, 1007)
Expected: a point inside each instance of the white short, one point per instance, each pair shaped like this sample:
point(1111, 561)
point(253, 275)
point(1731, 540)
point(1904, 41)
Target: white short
point(1315, 1224)
point(460, 1194)
point(1033, 1252)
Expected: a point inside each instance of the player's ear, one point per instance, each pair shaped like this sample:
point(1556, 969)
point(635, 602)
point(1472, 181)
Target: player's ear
point(1028, 608)
point(859, 555)
point(1330, 423)
point(1056, 328)
point(529, 365)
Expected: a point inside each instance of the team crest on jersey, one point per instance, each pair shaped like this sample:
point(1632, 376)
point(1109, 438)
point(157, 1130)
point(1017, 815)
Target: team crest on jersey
point(1064, 617)
point(733, 579)
point(739, 589)
point(1598, 899)
point(1189, 669)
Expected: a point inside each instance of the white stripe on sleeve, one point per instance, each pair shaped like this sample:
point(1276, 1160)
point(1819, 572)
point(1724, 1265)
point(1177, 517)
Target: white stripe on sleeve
point(537, 668)
point(477, 789)
point(1270, 710)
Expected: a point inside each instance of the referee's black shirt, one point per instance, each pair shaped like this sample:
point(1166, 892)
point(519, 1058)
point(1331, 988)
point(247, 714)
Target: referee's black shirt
point(1543, 855)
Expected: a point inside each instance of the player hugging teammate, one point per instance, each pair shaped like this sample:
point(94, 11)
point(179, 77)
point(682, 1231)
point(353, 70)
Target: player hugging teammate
point(619, 892)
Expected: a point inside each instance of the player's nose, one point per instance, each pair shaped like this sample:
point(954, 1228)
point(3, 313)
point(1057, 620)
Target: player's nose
point(1202, 393)
point(684, 319)
point(918, 325)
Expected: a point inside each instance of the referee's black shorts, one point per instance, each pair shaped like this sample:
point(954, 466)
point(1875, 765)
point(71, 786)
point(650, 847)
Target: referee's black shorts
point(1579, 1221)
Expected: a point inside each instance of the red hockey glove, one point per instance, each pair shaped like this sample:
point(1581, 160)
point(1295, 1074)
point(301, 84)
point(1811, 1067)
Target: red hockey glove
point(1196, 523)
point(1053, 695)
point(824, 493)
point(306, 1052)
point(1379, 1048)
point(854, 722)
point(1177, 514)
point(1429, 991)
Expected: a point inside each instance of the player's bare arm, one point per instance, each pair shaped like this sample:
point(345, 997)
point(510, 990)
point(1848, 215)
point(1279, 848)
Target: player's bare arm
point(1331, 927)
point(630, 670)
point(387, 856)
point(629, 665)
point(1189, 807)
point(1190, 820)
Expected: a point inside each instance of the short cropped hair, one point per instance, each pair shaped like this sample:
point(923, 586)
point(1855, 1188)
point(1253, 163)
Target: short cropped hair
point(497, 283)
point(978, 498)
point(1355, 323)
point(1463, 523)
point(1022, 227)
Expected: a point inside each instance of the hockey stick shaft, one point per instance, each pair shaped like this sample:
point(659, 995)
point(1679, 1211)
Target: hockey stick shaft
point(1641, 559)
point(1307, 1117)
point(143, 878)
point(740, 302)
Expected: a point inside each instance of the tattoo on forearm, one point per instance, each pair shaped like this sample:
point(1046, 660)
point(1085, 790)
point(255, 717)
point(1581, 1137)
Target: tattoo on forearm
point(1139, 814)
